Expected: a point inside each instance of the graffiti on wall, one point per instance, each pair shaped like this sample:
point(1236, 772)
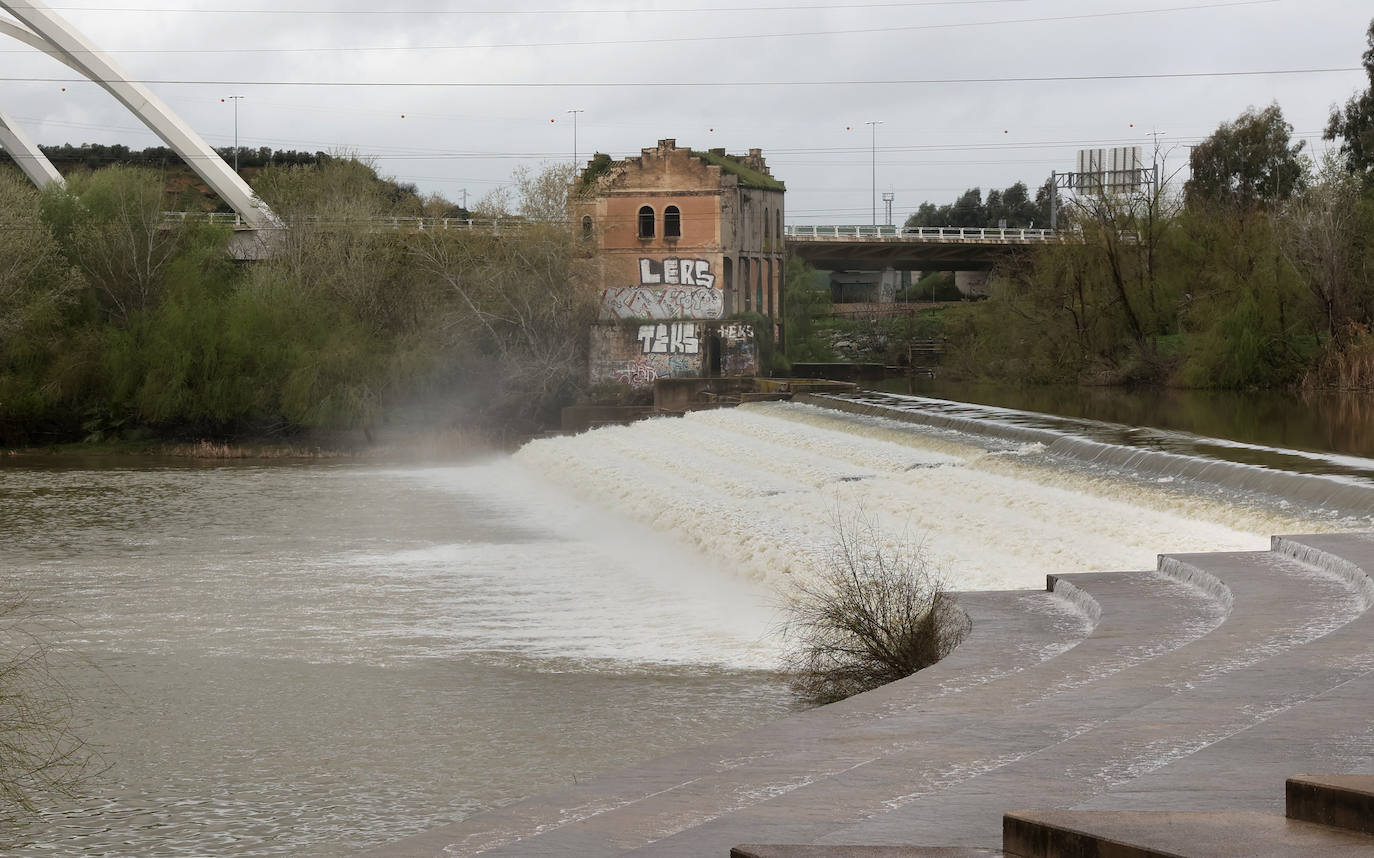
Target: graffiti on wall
point(663, 302)
point(645, 370)
point(668, 289)
point(676, 272)
point(736, 331)
point(740, 359)
point(678, 338)
point(636, 373)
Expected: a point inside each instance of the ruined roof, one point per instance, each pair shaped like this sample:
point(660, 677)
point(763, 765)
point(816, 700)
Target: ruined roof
point(749, 171)
point(749, 177)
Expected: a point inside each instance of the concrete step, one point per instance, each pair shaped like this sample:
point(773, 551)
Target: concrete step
point(1166, 834)
point(1130, 723)
point(1340, 801)
point(992, 725)
point(1152, 672)
point(786, 851)
point(1012, 632)
point(1346, 555)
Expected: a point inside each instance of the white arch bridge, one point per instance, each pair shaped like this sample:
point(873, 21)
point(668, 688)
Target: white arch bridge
point(827, 247)
point(44, 30)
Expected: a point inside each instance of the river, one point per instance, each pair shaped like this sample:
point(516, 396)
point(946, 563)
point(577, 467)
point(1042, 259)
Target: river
point(310, 659)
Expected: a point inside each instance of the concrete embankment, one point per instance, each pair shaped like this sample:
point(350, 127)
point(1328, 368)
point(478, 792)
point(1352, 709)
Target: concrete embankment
point(1190, 692)
point(1316, 489)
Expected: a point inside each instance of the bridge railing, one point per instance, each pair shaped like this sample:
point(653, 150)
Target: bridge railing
point(919, 233)
point(418, 224)
point(991, 235)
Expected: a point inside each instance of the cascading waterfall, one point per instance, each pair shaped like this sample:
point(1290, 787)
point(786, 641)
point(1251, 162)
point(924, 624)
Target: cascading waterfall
point(758, 489)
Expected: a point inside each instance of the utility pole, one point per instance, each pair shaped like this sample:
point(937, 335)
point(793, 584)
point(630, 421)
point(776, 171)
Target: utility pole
point(236, 99)
point(1054, 200)
point(873, 124)
point(1154, 158)
point(574, 116)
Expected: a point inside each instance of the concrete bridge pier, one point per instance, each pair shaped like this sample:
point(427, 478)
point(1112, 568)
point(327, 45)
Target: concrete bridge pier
point(971, 284)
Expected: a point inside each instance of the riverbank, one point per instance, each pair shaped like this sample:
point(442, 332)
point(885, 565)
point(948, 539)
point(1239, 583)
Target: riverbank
point(1199, 686)
point(1108, 691)
point(451, 444)
point(1339, 422)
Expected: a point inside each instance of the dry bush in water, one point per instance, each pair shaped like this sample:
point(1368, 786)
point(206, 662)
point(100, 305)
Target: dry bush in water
point(40, 753)
point(874, 613)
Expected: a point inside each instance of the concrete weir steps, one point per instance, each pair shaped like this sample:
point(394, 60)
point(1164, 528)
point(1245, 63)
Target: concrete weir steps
point(1176, 834)
point(1013, 631)
point(1339, 801)
point(792, 851)
point(1327, 816)
point(1193, 687)
point(712, 802)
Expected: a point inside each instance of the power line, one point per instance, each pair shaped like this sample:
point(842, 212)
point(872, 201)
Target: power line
point(947, 81)
point(713, 38)
point(506, 11)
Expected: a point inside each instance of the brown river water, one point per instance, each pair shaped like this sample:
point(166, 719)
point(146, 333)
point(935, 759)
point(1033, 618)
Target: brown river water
point(312, 659)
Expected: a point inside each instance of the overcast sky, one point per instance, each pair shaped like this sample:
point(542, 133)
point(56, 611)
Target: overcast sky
point(949, 82)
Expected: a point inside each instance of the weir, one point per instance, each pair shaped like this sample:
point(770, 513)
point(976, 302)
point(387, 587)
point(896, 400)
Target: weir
point(1188, 686)
point(1352, 490)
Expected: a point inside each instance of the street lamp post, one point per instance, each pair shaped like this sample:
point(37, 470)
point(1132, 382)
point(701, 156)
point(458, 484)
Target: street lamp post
point(873, 124)
point(236, 99)
point(574, 116)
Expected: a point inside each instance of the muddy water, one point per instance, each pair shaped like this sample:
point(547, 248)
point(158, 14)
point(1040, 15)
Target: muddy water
point(313, 659)
point(310, 660)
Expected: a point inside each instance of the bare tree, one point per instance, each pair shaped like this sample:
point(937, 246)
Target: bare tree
point(1320, 233)
point(40, 752)
point(874, 613)
point(524, 299)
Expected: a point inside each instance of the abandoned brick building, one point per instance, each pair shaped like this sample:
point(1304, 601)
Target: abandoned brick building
point(687, 241)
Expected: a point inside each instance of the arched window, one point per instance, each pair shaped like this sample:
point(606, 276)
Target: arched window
point(767, 228)
point(646, 222)
point(672, 222)
point(778, 215)
point(586, 227)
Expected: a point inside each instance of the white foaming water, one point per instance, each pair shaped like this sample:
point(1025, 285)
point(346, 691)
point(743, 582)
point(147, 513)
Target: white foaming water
point(595, 586)
point(757, 489)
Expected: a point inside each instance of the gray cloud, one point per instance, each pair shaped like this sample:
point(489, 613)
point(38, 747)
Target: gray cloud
point(936, 139)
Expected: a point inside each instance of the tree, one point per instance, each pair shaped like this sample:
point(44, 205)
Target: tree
point(926, 214)
point(1323, 233)
point(1355, 124)
point(36, 281)
point(1246, 163)
point(40, 751)
point(113, 229)
point(543, 194)
point(808, 297)
point(522, 301)
point(968, 210)
point(875, 612)
point(1012, 204)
